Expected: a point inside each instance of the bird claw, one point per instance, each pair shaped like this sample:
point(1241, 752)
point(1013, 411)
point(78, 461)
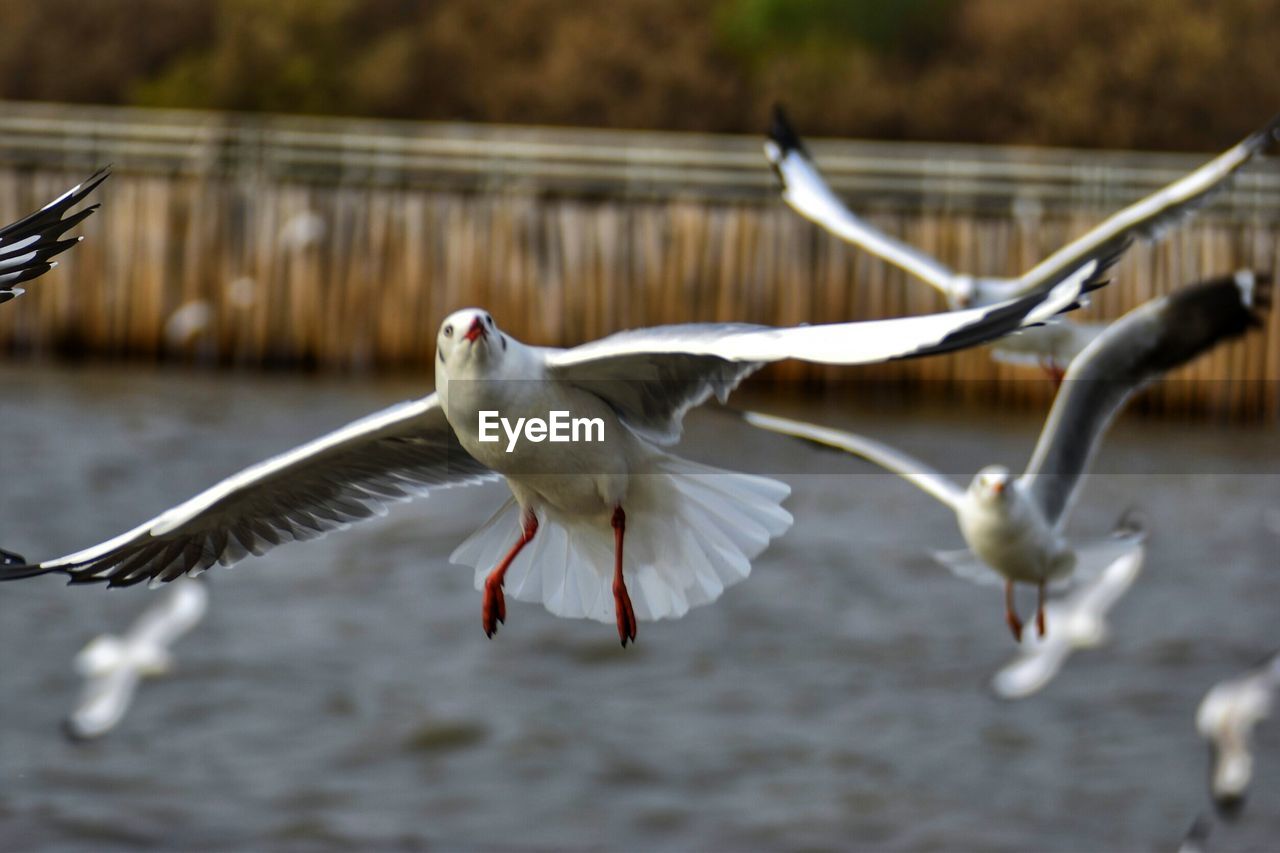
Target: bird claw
point(494, 610)
point(626, 615)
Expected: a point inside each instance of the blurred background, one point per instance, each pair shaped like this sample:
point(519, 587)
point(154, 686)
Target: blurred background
point(302, 189)
point(1180, 75)
point(579, 170)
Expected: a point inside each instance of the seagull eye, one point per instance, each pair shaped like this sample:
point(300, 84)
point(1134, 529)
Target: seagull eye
point(488, 319)
point(448, 331)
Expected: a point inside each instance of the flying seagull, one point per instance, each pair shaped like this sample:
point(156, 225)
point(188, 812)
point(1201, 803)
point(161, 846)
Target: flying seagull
point(1016, 526)
point(805, 190)
point(1226, 718)
point(691, 534)
point(1079, 622)
point(113, 666)
point(26, 246)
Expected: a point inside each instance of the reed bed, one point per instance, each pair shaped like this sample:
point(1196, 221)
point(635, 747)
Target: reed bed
point(248, 267)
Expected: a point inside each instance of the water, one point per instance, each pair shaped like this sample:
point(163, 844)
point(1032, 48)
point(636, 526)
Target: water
point(341, 693)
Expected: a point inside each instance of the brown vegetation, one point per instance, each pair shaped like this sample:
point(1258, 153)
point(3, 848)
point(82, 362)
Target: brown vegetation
point(1170, 74)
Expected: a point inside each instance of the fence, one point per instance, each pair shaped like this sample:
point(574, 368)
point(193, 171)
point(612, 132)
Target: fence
point(341, 243)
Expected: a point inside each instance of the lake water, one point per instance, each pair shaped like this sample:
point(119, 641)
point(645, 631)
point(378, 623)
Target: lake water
point(341, 693)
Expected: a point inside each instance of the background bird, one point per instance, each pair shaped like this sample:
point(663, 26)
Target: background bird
point(1226, 718)
point(1016, 527)
point(1052, 345)
point(113, 666)
point(1079, 622)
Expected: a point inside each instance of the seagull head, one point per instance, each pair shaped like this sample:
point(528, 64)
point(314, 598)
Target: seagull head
point(992, 484)
point(467, 337)
point(964, 290)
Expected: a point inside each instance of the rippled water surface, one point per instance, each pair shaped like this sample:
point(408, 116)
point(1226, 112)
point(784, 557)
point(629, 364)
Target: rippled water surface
point(341, 693)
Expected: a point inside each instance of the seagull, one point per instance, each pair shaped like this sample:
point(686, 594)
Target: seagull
point(1016, 526)
point(693, 529)
point(1079, 620)
point(27, 245)
point(112, 666)
point(1226, 718)
point(805, 190)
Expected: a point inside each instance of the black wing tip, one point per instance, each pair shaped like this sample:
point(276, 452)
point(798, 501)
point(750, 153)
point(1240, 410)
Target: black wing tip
point(15, 567)
point(1265, 136)
point(1229, 806)
point(1199, 830)
point(783, 134)
point(1130, 523)
point(1218, 309)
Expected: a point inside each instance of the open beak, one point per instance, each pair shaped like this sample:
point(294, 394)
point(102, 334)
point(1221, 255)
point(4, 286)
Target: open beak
point(476, 330)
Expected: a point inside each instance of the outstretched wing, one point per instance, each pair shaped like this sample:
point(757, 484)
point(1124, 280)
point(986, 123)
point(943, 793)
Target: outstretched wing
point(326, 484)
point(28, 245)
point(1148, 341)
point(807, 192)
point(651, 377)
point(1150, 216)
point(908, 468)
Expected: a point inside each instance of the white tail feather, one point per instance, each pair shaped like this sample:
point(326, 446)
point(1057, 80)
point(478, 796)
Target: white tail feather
point(692, 531)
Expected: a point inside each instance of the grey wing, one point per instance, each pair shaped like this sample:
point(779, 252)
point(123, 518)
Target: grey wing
point(1150, 340)
point(346, 476)
point(1150, 216)
point(28, 245)
point(907, 467)
point(805, 190)
point(652, 376)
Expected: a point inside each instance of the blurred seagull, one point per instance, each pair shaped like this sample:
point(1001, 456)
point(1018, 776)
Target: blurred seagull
point(1016, 526)
point(27, 245)
point(1226, 718)
point(1079, 622)
point(113, 666)
point(691, 535)
point(805, 190)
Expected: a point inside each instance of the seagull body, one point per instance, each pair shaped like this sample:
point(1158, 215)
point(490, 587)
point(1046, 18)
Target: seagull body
point(1050, 347)
point(1079, 622)
point(28, 245)
point(690, 530)
point(1016, 526)
point(113, 666)
point(807, 192)
point(1226, 718)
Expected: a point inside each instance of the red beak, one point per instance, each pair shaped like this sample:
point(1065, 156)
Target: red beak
point(476, 330)
point(998, 488)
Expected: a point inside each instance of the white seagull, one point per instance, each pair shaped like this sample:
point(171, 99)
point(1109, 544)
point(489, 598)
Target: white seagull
point(1055, 344)
point(112, 666)
point(1017, 526)
point(1226, 719)
point(27, 246)
point(693, 530)
point(1079, 622)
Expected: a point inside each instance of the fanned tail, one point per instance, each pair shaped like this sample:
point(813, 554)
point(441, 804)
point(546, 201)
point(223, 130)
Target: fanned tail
point(692, 532)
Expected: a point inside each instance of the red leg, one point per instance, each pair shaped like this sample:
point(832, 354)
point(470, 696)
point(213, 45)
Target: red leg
point(494, 609)
point(1011, 613)
point(1054, 370)
point(626, 615)
point(1040, 625)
